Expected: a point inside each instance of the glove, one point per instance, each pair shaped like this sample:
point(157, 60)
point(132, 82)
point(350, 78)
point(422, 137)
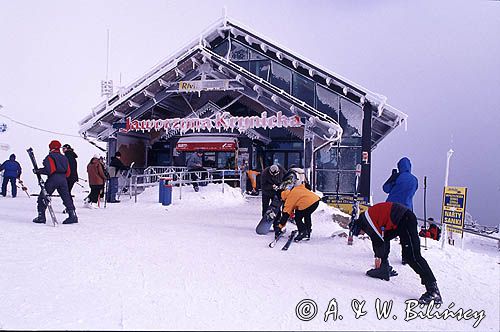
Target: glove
point(275, 187)
point(381, 273)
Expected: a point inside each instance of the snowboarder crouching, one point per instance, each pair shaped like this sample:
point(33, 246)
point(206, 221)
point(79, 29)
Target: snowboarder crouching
point(56, 167)
point(382, 223)
point(304, 202)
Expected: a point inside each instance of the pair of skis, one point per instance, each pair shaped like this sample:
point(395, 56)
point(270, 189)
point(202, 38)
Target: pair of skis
point(43, 192)
point(291, 237)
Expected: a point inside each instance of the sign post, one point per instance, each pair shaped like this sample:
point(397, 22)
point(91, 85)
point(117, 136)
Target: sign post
point(453, 211)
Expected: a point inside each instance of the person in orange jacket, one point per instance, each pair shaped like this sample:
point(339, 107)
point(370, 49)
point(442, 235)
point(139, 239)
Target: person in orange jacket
point(303, 202)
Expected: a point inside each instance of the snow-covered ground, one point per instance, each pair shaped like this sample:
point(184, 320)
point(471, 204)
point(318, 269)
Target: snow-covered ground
point(198, 264)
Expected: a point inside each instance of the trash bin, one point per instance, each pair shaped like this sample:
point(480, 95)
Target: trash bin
point(165, 191)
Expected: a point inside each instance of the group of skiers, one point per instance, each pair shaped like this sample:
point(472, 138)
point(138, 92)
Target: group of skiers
point(61, 169)
point(382, 222)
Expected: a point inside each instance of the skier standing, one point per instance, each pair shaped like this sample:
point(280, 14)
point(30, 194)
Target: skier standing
point(115, 167)
point(96, 180)
point(195, 163)
point(383, 222)
point(71, 155)
point(401, 185)
point(269, 182)
point(12, 172)
point(56, 167)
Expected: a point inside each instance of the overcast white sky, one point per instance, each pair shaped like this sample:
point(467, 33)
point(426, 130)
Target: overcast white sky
point(437, 61)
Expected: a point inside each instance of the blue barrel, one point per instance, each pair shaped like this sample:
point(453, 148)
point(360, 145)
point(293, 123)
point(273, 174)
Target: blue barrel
point(167, 194)
point(161, 190)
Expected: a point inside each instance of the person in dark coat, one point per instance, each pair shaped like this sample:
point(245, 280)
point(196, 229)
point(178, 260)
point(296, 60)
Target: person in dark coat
point(56, 167)
point(71, 155)
point(401, 185)
point(195, 163)
point(11, 172)
point(269, 182)
point(115, 167)
point(382, 223)
point(96, 180)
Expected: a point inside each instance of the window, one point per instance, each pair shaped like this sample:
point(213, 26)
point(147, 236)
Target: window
point(281, 77)
point(260, 68)
point(303, 88)
point(222, 48)
point(327, 102)
point(238, 52)
point(351, 118)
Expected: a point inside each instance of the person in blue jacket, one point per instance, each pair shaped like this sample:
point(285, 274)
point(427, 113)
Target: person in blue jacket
point(401, 185)
point(12, 171)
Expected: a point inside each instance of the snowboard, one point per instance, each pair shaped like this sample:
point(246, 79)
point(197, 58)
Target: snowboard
point(273, 213)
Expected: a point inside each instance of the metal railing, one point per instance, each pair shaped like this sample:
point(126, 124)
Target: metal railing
point(180, 176)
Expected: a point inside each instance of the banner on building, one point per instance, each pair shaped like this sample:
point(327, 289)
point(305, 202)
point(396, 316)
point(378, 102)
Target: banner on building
point(219, 121)
point(453, 210)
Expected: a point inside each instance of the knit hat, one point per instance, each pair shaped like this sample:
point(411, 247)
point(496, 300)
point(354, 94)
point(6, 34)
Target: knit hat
point(118, 154)
point(55, 145)
point(67, 146)
point(274, 169)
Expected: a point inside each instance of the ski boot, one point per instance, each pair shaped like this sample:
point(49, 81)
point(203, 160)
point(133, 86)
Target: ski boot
point(382, 272)
point(301, 236)
point(432, 294)
point(392, 272)
point(72, 219)
point(41, 218)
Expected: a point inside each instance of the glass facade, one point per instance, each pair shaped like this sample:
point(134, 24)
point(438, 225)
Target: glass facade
point(335, 166)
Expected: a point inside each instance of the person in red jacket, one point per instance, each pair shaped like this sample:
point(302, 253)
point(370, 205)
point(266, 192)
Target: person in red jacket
point(382, 223)
point(57, 169)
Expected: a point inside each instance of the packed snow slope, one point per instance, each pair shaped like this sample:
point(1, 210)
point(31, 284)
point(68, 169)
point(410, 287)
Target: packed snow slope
point(198, 264)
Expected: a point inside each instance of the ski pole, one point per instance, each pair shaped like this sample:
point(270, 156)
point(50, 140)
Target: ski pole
point(425, 211)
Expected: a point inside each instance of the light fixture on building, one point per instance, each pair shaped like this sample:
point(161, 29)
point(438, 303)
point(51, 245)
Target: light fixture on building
point(328, 81)
point(264, 47)
point(279, 55)
point(275, 99)
point(133, 104)
point(362, 100)
point(248, 39)
point(311, 72)
point(295, 64)
point(148, 94)
point(345, 90)
point(118, 114)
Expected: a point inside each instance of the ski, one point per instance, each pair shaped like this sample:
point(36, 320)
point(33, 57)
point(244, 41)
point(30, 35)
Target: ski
point(126, 182)
point(273, 244)
point(290, 240)
point(43, 192)
point(355, 203)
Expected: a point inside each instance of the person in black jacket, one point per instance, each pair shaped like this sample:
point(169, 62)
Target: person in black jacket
point(269, 181)
point(73, 165)
point(115, 167)
point(56, 167)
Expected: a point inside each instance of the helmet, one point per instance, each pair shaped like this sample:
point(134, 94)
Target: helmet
point(274, 170)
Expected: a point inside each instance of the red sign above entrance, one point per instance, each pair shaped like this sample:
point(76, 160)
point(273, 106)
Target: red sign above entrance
point(220, 120)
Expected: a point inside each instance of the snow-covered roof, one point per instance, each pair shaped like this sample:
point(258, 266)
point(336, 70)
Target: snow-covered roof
point(135, 96)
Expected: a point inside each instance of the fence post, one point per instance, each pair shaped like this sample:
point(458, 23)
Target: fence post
point(223, 180)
